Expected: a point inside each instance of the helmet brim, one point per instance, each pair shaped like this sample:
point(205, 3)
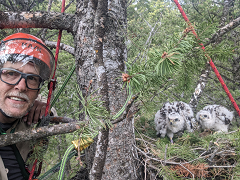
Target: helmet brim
point(28, 50)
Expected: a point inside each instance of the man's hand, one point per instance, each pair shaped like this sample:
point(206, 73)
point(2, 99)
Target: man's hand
point(36, 113)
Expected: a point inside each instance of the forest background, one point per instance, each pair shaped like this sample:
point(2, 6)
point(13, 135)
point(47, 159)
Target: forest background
point(155, 27)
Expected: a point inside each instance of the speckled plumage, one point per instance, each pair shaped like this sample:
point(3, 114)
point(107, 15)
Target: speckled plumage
point(215, 117)
point(174, 118)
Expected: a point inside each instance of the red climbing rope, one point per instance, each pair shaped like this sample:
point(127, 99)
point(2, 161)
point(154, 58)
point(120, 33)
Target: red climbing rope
point(51, 84)
point(53, 81)
point(32, 171)
point(209, 59)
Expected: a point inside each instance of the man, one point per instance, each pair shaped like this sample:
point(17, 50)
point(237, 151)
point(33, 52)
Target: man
point(25, 63)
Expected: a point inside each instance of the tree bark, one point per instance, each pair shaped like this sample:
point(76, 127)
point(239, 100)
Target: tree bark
point(84, 56)
point(120, 162)
point(99, 41)
point(99, 33)
point(40, 132)
point(51, 20)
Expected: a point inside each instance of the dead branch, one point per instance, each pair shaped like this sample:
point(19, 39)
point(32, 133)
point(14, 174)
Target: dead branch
point(233, 24)
point(50, 20)
point(64, 47)
point(165, 155)
point(220, 166)
point(126, 112)
point(40, 132)
point(58, 119)
point(138, 139)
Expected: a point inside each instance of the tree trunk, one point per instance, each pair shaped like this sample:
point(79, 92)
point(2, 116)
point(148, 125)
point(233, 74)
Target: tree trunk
point(100, 54)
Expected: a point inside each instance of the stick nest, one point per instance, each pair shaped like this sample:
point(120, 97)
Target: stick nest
point(205, 155)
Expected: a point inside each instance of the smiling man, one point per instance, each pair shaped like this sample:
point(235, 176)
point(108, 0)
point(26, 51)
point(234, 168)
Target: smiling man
point(25, 63)
point(15, 96)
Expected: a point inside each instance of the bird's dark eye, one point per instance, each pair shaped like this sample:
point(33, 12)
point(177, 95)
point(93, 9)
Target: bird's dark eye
point(205, 116)
point(176, 119)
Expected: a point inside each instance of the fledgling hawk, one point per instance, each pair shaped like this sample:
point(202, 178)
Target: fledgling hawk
point(215, 117)
point(174, 118)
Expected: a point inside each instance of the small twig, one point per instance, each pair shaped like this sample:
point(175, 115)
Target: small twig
point(221, 166)
point(157, 174)
point(198, 158)
point(209, 146)
point(213, 154)
point(203, 153)
point(142, 139)
point(126, 113)
point(232, 132)
point(165, 155)
point(145, 169)
point(145, 142)
point(149, 138)
point(225, 151)
point(145, 154)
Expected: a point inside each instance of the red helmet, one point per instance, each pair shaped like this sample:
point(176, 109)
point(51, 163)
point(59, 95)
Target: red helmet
point(21, 47)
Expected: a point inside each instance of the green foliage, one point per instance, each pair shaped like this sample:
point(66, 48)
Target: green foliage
point(222, 51)
point(182, 151)
point(159, 80)
point(170, 60)
point(95, 112)
point(159, 65)
point(145, 126)
point(39, 149)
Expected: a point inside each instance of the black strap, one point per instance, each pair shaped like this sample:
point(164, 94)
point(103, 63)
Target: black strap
point(20, 161)
point(18, 156)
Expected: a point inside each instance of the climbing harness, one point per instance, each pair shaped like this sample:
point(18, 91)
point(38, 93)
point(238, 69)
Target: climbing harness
point(209, 59)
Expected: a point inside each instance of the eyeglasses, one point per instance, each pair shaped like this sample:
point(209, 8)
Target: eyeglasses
point(13, 77)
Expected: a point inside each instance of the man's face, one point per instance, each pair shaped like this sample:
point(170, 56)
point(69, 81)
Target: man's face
point(17, 100)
